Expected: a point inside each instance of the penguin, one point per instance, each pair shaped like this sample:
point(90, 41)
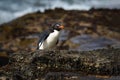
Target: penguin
point(49, 38)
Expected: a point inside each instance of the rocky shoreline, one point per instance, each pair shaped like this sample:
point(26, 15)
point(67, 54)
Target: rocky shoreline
point(84, 31)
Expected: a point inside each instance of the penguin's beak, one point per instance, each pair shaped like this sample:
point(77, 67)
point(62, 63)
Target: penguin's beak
point(61, 27)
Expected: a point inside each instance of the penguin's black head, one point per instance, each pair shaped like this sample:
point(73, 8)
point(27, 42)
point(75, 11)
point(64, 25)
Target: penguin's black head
point(57, 26)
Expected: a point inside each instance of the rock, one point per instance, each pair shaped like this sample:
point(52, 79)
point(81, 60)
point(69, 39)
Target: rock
point(36, 65)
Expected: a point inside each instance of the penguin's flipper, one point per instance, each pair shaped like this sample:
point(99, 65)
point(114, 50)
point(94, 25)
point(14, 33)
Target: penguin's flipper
point(42, 38)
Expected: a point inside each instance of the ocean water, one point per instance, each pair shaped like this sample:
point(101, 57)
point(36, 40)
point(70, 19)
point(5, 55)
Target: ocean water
point(11, 9)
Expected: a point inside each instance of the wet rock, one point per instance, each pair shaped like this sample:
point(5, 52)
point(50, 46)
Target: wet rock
point(89, 42)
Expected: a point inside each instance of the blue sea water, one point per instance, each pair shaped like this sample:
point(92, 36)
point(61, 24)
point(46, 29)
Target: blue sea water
point(11, 9)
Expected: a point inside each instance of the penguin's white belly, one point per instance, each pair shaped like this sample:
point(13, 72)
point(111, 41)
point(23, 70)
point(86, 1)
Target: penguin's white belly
point(51, 40)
